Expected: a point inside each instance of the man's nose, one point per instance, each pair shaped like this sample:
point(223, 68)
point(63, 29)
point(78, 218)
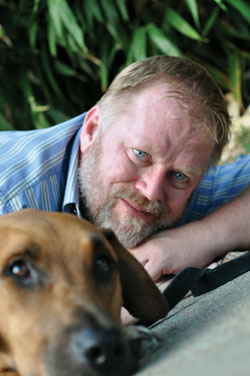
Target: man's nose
point(151, 185)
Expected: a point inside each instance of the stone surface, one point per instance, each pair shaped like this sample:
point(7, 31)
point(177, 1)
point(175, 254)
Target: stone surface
point(207, 335)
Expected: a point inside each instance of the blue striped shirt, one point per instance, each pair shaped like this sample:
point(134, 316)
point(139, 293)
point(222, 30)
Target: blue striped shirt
point(39, 170)
point(220, 185)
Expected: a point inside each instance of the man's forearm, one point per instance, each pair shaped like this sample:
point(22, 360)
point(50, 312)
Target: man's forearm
point(225, 230)
point(229, 227)
point(198, 243)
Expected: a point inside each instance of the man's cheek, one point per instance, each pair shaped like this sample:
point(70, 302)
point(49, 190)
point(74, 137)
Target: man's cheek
point(177, 205)
point(118, 209)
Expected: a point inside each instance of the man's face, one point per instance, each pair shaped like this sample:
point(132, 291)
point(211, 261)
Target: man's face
point(137, 176)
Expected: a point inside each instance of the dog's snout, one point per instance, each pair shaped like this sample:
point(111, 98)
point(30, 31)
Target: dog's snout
point(101, 353)
point(92, 350)
point(103, 350)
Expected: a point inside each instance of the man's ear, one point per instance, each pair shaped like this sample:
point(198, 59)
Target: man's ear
point(89, 129)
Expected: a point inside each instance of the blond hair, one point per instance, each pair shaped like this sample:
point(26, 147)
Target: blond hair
point(189, 82)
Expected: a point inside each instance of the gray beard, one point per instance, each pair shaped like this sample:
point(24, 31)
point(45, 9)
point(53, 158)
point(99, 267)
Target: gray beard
point(98, 209)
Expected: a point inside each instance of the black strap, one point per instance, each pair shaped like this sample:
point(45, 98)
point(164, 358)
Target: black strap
point(199, 281)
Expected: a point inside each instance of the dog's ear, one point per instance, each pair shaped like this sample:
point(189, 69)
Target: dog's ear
point(140, 295)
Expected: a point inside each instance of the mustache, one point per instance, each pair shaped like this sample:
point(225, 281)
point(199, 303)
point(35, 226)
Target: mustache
point(146, 205)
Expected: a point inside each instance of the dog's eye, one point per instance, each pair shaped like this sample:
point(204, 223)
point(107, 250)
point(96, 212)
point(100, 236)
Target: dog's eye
point(103, 267)
point(22, 272)
point(20, 269)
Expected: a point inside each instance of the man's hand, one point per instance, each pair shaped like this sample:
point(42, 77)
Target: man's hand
point(169, 251)
point(197, 243)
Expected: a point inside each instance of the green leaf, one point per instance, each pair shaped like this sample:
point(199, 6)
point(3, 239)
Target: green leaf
point(25, 86)
point(56, 116)
point(4, 124)
point(36, 6)
point(49, 72)
point(110, 12)
point(192, 5)
point(40, 121)
point(232, 33)
point(244, 139)
point(137, 49)
point(63, 27)
point(92, 11)
point(104, 77)
point(54, 16)
point(107, 61)
point(211, 21)
point(2, 33)
point(235, 76)
point(64, 69)
point(242, 7)
point(164, 44)
point(33, 34)
point(178, 22)
point(52, 40)
point(220, 77)
point(123, 9)
point(221, 5)
point(71, 25)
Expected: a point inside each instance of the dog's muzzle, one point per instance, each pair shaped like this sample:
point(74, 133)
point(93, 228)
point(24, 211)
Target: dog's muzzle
point(92, 350)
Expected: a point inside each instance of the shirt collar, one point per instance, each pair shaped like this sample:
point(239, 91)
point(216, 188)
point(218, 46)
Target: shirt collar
point(71, 200)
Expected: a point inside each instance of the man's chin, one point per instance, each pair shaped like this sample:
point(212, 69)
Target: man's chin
point(132, 239)
point(129, 230)
point(131, 235)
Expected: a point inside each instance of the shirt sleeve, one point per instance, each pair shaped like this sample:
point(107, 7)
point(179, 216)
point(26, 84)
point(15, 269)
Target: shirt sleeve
point(219, 186)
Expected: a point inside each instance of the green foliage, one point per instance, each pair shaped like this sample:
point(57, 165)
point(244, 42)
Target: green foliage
point(57, 57)
point(244, 140)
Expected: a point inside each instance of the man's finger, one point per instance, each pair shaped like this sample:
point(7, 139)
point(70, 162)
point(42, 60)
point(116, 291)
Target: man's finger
point(153, 270)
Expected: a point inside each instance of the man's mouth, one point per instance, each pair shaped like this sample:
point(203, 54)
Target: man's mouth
point(137, 210)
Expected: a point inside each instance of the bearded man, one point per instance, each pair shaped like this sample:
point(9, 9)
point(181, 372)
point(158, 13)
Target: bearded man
point(141, 162)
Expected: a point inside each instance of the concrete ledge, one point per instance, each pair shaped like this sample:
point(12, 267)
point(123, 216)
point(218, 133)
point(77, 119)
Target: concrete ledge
point(205, 336)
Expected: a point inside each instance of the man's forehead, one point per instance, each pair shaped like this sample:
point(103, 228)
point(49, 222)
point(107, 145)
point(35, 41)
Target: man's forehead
point(161, 100)
point(161, 93)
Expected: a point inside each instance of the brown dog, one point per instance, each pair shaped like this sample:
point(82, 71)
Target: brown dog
point(62, 285)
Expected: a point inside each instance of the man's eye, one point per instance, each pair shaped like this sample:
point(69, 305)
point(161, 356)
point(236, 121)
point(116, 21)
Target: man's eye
point(180, 176)
point(178, 179)
point(141, 154)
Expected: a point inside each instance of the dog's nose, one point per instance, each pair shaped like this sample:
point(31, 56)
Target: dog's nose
point(103, 350)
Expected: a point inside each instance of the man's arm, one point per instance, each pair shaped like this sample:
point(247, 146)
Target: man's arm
point(198, 243)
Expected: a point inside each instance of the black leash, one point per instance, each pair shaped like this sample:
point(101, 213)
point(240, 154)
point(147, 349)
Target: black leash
point(202, 280)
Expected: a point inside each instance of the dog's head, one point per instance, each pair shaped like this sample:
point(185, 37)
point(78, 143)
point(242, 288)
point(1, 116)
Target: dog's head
point(62, 285)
